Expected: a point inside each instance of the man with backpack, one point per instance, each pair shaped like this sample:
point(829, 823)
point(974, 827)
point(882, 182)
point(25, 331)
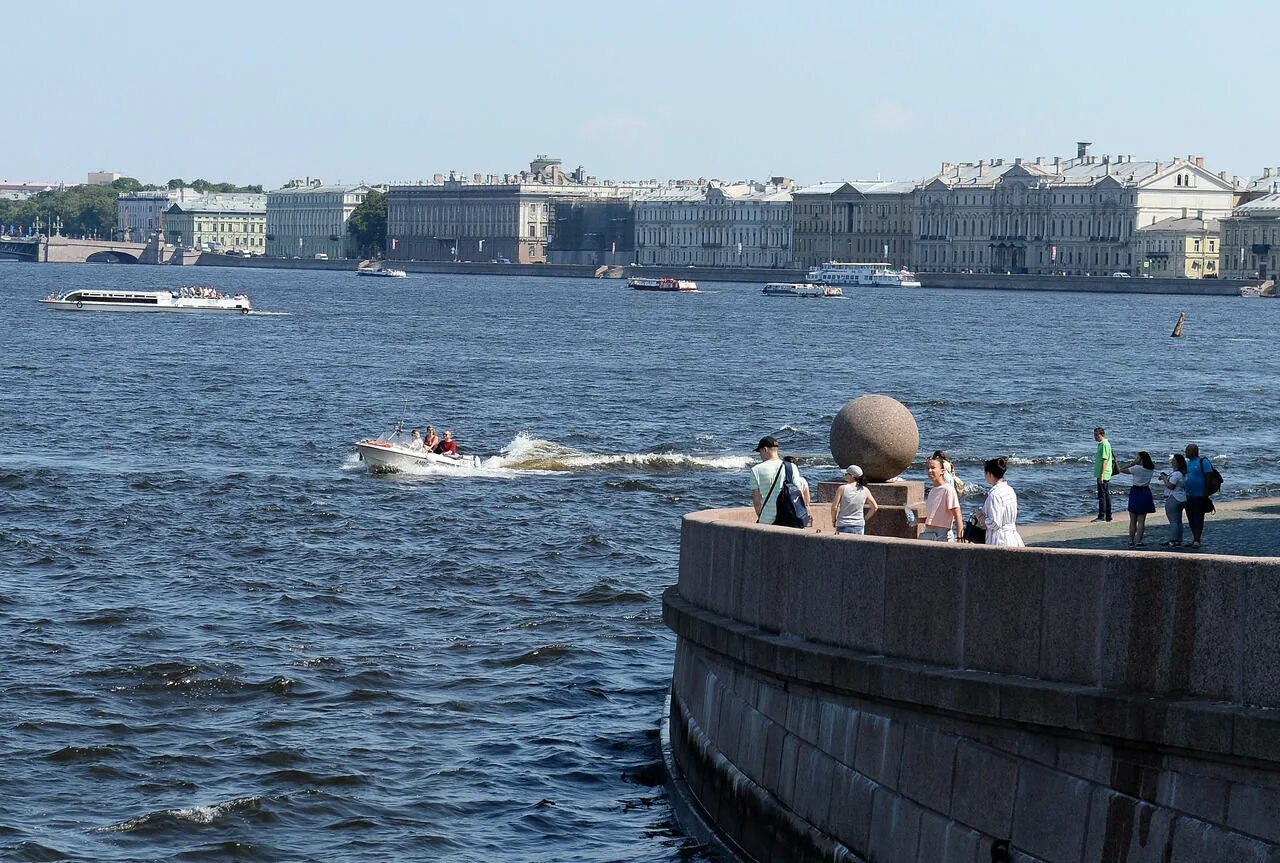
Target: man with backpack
point(1202, 481)
point(772, 480)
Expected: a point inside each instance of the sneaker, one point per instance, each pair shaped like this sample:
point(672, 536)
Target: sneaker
point(1099, 518)
point(1108, 518)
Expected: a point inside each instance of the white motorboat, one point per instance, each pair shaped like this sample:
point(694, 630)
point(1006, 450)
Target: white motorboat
point(879, 274)
point(382, 272)
point(190, 298)
point(793, 289)
point(396, 451)
point(639, 283)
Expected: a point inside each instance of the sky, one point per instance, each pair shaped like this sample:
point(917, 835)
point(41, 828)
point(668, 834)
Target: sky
point(390, 91)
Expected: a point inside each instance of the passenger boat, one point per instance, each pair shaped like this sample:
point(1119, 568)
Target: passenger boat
point(189, 298)
point(394, 451)
point(880, 274)
point(642, 284)
point(793, 289)
point(382, 272)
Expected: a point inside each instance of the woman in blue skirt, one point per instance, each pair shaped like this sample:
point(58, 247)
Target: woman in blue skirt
point(1141, 503)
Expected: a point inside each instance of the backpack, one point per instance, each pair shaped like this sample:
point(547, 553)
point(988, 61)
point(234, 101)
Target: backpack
point(791, 509)
point(1212, 479)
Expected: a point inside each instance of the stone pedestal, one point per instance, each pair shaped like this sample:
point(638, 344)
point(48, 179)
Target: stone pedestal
point(894, 499)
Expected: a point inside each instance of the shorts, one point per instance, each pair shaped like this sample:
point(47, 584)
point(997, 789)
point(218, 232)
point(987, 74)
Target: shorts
point(856, 529)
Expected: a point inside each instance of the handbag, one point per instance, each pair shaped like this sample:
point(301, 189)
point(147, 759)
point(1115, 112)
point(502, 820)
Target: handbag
point(974, 532)
point(791, 509)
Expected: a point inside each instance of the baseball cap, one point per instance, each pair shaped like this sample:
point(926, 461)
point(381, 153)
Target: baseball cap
point(766, 442)
point(854, 471)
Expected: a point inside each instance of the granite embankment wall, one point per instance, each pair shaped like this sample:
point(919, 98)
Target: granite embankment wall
point(880, 699)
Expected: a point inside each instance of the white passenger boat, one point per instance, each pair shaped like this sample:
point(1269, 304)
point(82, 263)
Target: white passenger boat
point(395, 451)
point(190, 298)
point(382, 272)
point(880, 274)
point(794, 289)
point(683, 285)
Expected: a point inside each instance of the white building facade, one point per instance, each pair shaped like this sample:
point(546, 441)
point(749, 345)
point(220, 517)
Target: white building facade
point(1072, 216)
point(716, 225)
point(219, 222)
point(139, 215)
point(306, 219)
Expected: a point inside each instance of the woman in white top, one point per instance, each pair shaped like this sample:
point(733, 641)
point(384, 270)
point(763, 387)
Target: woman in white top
point(1000, 511)
point(853, 503)
point(1141, 504)
point(1175, 498)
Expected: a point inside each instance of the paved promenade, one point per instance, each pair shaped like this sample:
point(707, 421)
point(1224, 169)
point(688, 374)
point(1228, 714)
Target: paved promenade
point(1242, 527)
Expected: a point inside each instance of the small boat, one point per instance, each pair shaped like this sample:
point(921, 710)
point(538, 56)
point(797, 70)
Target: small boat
point(382, 272)
point(395, 451)
point(1251, 291)
point(1177, 328)
point(189, 298)
point(877, 274)
point(682, 285)
point(793, 289)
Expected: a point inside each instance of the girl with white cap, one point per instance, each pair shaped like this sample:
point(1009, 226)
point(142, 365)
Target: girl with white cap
point(853, 503)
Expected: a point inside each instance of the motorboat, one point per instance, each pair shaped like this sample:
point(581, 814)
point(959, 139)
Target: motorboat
point(878, 274)
point(793, 289)
point(382, 272)
point(189, 298)
point(681, 285)
point(396, 451)
point(1251, 290)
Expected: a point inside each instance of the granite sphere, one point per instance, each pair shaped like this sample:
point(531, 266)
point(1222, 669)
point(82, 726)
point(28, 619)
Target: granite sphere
point(878, 434)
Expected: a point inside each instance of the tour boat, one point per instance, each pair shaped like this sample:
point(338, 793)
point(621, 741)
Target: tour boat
point(793, 289)
point(384, 272)
point(190, 298)
point(863, 275)
point(395, 451)
point(642, 284)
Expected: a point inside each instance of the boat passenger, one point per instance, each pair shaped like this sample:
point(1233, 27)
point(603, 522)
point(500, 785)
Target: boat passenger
point(432, 441)
point(448, 446)
point(416, 441)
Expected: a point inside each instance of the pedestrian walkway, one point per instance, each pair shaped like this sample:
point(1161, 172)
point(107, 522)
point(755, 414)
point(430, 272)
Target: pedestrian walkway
point(1250, 528)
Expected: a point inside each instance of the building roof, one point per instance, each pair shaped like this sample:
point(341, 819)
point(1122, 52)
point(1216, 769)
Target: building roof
point(318, 190)
point(1067, 172)
point(1179, 225)
point(1267, 205)
point(250, 203)
point(1266, 182)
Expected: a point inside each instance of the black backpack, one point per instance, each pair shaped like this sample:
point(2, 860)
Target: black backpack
point(1212, 479)
point(791, 509)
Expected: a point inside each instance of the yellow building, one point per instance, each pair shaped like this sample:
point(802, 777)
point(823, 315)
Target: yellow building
point(219, 222)
point(1179, 248)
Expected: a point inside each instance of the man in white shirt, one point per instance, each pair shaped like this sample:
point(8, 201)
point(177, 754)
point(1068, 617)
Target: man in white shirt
point(766, 480)
point(942, 508)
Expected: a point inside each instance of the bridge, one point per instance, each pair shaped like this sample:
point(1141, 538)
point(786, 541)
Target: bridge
point(67, 250)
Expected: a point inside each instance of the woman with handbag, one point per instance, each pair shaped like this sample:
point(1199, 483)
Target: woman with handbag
point(1000, 510)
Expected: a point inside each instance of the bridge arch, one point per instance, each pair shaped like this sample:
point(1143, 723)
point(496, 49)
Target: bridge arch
point(111, 257)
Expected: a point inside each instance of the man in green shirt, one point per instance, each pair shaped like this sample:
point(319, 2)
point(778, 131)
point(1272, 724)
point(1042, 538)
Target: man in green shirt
point(1103, 467)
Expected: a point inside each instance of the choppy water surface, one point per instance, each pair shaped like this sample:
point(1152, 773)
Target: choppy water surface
point(223, 640)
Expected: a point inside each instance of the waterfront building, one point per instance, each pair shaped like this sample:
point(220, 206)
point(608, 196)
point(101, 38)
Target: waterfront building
point(853, 221)
point(102, 178)
point(219, 222)
point(1184, 247)
point(491, 217)
point(306, 218)
point(139, 215)
point(1251, 235)
point(23, 189)
point(716, 224)
point(594, 232)
point(1073, 216)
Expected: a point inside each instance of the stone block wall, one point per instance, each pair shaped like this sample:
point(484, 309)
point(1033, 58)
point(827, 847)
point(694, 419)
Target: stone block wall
point(886, 700)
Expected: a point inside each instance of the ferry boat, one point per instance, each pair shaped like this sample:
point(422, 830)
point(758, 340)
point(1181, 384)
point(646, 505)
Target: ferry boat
point(395, 451)
point(383, 272)
point(880, 274)
point(189, 298)
point(642, 284)
point(794, 289)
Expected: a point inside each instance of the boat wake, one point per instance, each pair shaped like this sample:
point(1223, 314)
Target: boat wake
point(527, 454)
point(257, 314)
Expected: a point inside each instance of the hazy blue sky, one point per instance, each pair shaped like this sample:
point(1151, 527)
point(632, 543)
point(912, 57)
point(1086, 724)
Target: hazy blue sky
point(385, 91)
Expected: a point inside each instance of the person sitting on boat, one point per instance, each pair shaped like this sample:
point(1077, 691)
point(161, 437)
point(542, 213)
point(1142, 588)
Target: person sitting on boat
point(416, 441)
point(432, 441)
point(448, 446)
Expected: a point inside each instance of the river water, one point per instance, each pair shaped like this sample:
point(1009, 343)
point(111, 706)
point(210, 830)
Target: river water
point(223, 640)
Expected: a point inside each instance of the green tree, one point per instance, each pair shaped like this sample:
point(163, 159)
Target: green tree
point(368, 225)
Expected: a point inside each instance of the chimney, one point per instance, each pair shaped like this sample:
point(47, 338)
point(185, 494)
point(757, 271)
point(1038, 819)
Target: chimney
point(1222, 175)
point(946, 166)
point(1199, 161)
point(1082, 149)
point(1266, 172)
point(1057, 163)
point(1184, 212)
point(475, 178)
point(982, 167)
point(1039, 160)
point(1017, 161)
point(1200, 215)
